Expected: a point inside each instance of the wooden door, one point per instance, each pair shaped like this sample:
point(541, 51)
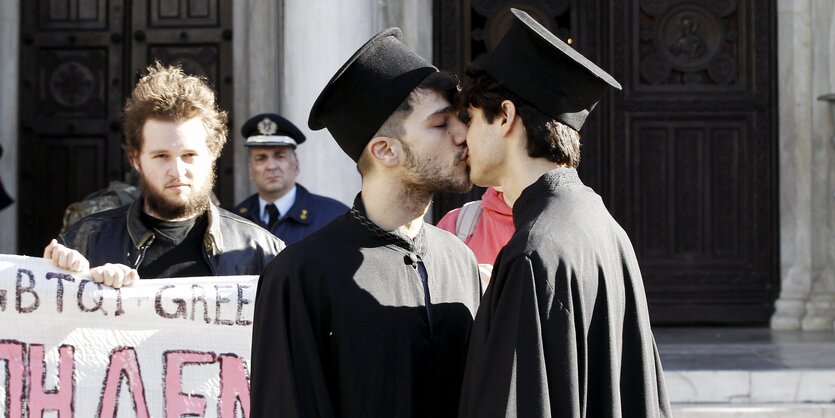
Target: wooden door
point(685, 157)
point(693, 169)
point(79, 60)
point(72, 88)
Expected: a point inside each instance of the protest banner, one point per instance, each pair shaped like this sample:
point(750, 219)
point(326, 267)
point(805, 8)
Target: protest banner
point(70, 347)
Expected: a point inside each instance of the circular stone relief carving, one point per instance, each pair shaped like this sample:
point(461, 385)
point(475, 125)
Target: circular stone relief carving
point(722, 70)
point(71, 84)
point(689, 37)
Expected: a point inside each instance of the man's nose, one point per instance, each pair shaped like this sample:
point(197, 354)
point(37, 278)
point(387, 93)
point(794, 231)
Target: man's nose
point(459, 132)
point(179, 168)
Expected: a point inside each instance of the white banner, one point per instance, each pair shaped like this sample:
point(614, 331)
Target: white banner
point(160, 348)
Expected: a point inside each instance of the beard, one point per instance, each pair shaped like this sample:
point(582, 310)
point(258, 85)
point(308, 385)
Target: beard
point(426, 177)
point(168, 209)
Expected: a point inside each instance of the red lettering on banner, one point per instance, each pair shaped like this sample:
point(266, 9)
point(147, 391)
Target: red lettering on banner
point(178, 403)
point(123, 363)
point(123, 367)
point(12, 352)
point(234, 386)
point(59, 399)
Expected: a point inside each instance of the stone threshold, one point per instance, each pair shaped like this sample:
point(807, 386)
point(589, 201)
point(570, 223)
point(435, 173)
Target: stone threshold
point(751, 387)
point(748, 372)
point(754, 411)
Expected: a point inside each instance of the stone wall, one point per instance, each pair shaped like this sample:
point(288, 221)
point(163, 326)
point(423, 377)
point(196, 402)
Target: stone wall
point(258, 56)
point(9, 53)
point(318, 37)
point(807, 197)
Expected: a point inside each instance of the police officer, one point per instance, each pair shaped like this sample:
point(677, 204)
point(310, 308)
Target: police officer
point(281, 205)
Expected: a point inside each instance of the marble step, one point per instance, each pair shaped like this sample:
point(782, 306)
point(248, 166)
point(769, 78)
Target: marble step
point(748, 372)
point(798, 410)
point(751, 386)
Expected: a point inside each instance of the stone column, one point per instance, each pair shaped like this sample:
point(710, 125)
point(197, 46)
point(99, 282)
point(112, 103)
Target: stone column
point(805, 37)
point(258, 54)
point(414, 18)
point(318, 37)
point(820, 310)
point(9, 51)
point(828, 191)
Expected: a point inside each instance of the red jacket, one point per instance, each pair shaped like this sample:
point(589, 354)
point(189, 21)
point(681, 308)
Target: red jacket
point(493, 230)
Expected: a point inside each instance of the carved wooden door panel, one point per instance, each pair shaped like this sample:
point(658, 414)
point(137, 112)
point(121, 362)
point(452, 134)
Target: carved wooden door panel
point(685, 156)
point(71, 93)
point(693, 173)
point(78, 61)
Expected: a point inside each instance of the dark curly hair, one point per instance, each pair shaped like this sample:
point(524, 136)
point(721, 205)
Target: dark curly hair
point(547, 137)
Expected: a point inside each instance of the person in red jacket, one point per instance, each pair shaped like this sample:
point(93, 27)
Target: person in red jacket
point(485, 225)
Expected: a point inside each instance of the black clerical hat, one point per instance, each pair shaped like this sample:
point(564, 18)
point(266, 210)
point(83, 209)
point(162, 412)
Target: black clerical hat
point(537, 66)
point(367, 89)
point(271, 130)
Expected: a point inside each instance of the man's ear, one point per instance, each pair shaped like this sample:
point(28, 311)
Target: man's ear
point(383, 150)
point(133, 157)
point(507, 117)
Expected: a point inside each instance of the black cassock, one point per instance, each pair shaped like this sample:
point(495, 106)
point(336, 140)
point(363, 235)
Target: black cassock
point(563, 329)
point(344, 326)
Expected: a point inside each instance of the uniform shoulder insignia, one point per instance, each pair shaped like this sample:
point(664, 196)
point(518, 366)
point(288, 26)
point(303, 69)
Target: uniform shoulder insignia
point(303, 215)
point(243, 210)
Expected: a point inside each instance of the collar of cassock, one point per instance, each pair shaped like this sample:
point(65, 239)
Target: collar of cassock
point(549, 181)
point(417, 246)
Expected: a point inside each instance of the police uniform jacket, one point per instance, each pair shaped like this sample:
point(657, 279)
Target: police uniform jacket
point(309, 213)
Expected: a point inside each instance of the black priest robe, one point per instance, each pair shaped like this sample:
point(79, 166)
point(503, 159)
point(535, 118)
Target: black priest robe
point(563, 329)
point(355, 321)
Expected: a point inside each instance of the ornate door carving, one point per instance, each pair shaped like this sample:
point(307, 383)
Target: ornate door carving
point(78, 61)
point(685, 155)
point(694, 159)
